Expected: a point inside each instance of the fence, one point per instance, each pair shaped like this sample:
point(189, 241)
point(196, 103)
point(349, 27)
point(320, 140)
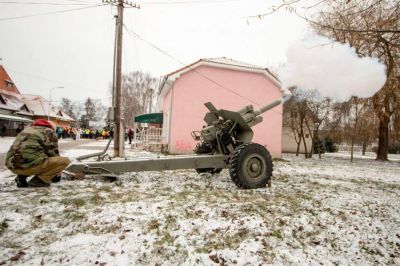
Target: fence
point(149, 139)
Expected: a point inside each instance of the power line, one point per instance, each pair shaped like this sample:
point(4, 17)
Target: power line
point(46, 3)
point(135, 35)
point(51, 13)
point(188, 2)
point(46, 79)
point(82, 1)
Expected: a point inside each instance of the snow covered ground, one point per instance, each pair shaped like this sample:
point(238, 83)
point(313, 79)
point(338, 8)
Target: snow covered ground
point(327, 211)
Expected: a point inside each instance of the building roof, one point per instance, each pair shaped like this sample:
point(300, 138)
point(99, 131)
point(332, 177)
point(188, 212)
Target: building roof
point(221, 62)
point(13, 102)
point(231, 62)
point(42, 107)
point(14, 118)
point(6, 82)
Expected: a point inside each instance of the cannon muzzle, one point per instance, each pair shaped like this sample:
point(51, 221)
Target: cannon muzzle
point(269, 106)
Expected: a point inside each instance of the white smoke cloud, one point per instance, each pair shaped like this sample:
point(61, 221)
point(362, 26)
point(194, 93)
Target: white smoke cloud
point(333, 69)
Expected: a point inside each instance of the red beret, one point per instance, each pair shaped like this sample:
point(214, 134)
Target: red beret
point(42, 123)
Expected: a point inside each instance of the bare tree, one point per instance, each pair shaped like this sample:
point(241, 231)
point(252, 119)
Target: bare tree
point(305, 114)
point(355, 108)
point(366, 28)
point(372, 27)
point(92, 110)
point(293, 118)
point(137, 94)
point(366, 125)
point(319, 109)
point(67, 106)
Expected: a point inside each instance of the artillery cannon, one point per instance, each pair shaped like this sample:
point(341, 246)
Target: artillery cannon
point(224, 142)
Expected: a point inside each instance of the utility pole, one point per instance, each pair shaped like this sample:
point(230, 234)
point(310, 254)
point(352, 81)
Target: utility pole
point(119, 134)
point(119, 130)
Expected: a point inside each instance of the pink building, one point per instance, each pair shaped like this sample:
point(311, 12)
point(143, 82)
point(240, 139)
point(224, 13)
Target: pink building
point(228, 84)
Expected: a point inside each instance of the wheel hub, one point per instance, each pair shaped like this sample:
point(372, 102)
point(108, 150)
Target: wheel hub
point(254, 166)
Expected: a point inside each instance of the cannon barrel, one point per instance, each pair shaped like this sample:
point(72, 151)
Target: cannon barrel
point(269, 106)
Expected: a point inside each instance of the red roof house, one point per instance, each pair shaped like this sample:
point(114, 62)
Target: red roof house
point(17, 109)
point(6, 83)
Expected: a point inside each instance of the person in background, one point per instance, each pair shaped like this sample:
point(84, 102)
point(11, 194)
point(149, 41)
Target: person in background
point(35, 152)
point(78, 134)
point(20, 128)
point(59, 132)
point(130, 135)
point(3, 130)
point(73, 133)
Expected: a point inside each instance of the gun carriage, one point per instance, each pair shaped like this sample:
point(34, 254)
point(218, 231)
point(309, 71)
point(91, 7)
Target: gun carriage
point(224, 142)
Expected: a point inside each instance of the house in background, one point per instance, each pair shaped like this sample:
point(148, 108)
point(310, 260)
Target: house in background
point(289, 141)
point(228, 84)
point(14, 112)
point(44, 109)
point(19, 110)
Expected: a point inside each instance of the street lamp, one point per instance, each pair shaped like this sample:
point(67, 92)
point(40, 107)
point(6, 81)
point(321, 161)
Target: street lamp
point(51, 90)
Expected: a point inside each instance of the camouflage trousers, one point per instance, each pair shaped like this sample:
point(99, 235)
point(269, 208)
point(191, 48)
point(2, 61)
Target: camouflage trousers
point(46, 170)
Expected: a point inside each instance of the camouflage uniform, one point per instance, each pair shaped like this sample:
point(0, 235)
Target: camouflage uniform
point(35, 152)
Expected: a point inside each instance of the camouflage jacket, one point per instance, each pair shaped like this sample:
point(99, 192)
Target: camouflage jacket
point(32, 147)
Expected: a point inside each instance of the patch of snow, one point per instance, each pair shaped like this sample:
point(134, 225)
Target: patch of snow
point(327, 211)
point(5, 144)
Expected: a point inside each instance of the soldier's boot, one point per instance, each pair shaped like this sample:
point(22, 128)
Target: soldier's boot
point(37, 182)
point(21, 181)
point(56, 179)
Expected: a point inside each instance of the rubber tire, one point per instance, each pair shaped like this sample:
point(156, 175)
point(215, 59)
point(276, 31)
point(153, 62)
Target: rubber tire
point(238, 158)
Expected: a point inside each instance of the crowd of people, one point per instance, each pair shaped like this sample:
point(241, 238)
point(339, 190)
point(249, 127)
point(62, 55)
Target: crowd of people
point(85, 133)
point(89, 133)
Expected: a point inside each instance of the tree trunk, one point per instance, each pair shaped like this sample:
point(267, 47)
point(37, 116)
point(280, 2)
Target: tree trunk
point(310, 154)
point(298, 147)
point(305, 144)
point(364, 147)
point(319, 143)
point(352, 148)
point(383, 145)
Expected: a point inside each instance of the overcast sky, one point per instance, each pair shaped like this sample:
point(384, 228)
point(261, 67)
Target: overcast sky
point(75, 49)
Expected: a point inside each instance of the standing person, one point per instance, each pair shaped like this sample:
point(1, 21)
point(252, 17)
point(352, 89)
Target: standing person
point(73, 133)
point(78, 134)
point(59, 132)
point(3, 131)
point(35, 152)
point(20, 128)
point(130, 135)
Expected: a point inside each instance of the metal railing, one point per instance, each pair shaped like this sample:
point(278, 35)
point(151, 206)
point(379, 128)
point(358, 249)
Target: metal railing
point(148, 138)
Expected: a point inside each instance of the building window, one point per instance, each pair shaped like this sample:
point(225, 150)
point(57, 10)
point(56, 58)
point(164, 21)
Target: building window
point(10, 84)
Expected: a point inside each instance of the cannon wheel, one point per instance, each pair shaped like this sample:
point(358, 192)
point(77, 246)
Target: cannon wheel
point(250, 166)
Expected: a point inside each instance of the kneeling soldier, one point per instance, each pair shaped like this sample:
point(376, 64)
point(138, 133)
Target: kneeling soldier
point(35, 152)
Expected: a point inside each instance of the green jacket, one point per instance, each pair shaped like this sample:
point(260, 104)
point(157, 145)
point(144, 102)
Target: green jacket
point(32, 147)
